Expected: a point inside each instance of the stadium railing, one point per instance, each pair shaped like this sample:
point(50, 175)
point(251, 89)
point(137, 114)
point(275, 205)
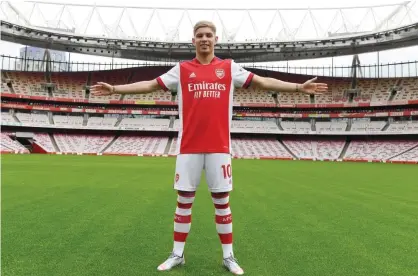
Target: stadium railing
point(381, 70)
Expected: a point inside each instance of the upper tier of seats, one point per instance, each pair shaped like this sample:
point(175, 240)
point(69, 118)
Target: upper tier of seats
point(73, 85)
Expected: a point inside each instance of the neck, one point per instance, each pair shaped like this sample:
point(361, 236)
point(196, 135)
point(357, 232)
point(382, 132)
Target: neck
point(205, 59)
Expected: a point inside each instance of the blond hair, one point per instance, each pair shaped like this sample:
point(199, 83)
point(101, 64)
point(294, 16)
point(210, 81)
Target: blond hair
point(203, 24)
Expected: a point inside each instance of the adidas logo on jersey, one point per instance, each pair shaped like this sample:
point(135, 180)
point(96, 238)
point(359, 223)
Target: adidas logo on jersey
point(192, 75)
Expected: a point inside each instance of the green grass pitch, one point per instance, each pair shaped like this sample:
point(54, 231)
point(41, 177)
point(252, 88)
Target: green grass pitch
point(107, 215)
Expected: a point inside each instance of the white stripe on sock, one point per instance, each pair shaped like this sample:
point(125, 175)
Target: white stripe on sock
point(224, 228)
point(224, 200)
point(183, 212)
point(182, 227)
point(227, 250)
point(222, 212)
point(178, 248)
point(183, 199)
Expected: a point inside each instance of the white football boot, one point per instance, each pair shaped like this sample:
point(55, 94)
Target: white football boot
point(232, 265)
point(172, 261)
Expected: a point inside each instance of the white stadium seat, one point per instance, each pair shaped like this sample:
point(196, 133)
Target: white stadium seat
point(138, 145)
point(378, 150)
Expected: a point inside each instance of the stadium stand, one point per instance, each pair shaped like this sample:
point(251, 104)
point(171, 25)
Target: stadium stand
point(367, 126)
point(382, 92)
point(296, 127)
point(378, 150)
point(257, 148)
point(173, 146)
point(315, 149)
point(69, 85)
point(411, 155)
point(44, 140)
point(10, 145)
point(68, 121)
point(335, 92)
point(367, 88)
point(409, 89)
point(148, 74)
point(71, 143)
point(374, 90)
point(101, 122)
point(75, 87)
point(253, 96)
point(399, 126)
point(114, 77)
point(254, 126)
point(324, 127)
point(7, 118)
point(290, 148)
point(33, 119)
point(138, 145)
point(27, 83)
point(4, 86)
point(144, 124)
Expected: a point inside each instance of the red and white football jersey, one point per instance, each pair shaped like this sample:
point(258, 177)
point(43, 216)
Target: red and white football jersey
point(205, 100)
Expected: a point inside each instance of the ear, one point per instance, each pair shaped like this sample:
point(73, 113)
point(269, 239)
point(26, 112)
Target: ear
point(216, 39)
point(194, 41)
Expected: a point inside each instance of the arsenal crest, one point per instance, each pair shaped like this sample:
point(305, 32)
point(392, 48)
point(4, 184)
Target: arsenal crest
point(177, 177)
point(220, 73)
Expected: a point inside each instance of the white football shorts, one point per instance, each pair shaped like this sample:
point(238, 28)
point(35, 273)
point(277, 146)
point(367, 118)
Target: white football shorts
point(217, 167)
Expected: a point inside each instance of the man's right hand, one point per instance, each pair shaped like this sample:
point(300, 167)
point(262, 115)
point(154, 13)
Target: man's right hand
point(101, 89)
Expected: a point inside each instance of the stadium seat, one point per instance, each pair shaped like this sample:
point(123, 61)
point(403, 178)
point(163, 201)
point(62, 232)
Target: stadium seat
point(144, 124)
point(331, 126)
point(367, 126)
point(411, 155)
point(257, 148)
point(248, 126)
point(113, 77)
point(72, 143)
point(33, 119)
point(7, 118)
point(28, 83)
point(10, 145)
point(296, 126)
point(377, 150)
point(101, 122)
point(68, 121)
point(409, 90)
point(69, 85)
point(138, 145)
point(44, 140)
point(315, 149)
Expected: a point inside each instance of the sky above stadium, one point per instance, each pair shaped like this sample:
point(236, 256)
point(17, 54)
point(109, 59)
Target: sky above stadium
point(239, 25)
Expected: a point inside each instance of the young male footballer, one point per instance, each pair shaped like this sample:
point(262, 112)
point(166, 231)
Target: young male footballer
point(205, 87)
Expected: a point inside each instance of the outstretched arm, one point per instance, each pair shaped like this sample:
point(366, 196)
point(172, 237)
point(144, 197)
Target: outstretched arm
point(309, 87)
point(142, 87)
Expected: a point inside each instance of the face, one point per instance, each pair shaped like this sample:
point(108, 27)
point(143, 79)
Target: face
point(204, 40)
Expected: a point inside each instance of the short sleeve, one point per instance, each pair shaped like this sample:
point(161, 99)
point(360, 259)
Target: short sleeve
point(170, 80)
point(241, 77)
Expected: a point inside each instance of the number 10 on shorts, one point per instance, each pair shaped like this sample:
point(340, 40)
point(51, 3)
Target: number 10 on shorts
point(227, 171)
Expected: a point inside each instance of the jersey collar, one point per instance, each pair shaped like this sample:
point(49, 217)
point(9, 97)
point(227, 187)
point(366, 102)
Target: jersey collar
point(215, 58)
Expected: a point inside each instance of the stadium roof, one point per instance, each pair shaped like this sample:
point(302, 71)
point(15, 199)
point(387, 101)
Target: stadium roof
point(234, 24)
